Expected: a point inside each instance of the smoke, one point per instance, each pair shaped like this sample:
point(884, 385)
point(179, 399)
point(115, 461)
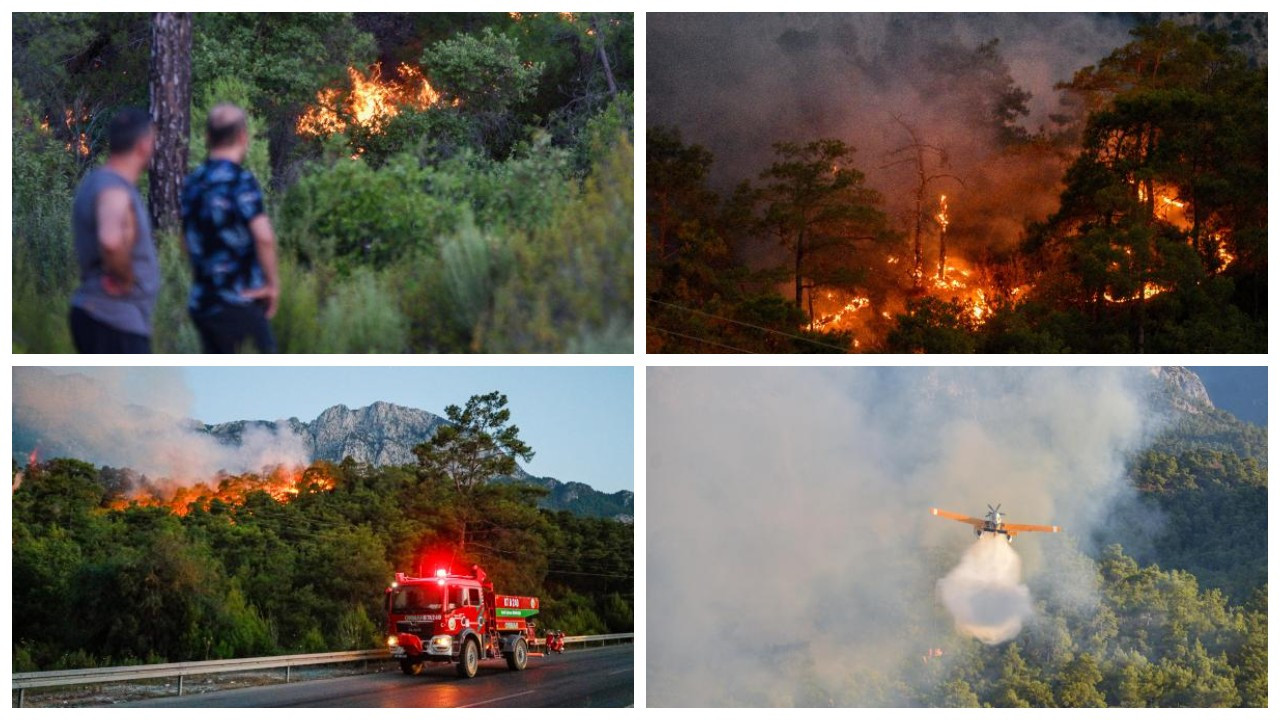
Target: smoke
point(792, 557)
point(985, 594)
point(136, 418)
point(737, 83)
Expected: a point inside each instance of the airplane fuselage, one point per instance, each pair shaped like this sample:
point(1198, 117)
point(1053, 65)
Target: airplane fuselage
point(996, 529)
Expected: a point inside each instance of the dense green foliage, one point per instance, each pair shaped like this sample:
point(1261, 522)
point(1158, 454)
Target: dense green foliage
point(1157, 244)
point(499, 218)
point(1148, 638)
point(1206, 479)
point(234, 575)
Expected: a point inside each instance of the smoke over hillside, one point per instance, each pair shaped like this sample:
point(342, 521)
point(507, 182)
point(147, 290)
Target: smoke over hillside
point(789, 534)
point(737, 83)
point(109, 416)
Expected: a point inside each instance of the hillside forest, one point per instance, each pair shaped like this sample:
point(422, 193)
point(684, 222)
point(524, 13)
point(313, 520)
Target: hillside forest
point(293, 560)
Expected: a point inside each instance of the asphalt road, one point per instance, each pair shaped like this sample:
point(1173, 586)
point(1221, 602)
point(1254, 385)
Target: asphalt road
point(598, 677)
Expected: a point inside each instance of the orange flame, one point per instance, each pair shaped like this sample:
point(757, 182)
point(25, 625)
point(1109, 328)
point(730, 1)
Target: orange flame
point(371, 102)
point(943, 220)
point(1223, 253)
point(282, 484)
point(80, 143)
point(849, 308)
point(1149, 290)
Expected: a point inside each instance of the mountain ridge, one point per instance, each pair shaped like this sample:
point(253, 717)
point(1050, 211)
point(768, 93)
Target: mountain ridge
point(384, 433)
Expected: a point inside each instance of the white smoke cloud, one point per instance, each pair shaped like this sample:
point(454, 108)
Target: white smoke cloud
point(137, 418)
point(789, 539)
point(985, 593)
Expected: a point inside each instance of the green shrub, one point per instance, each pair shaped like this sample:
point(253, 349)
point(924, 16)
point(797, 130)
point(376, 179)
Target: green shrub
point(359, 214)
point(171, 326)
point(359, 318)
point(448, 295)
point(44, 270)
point(483, 72)
point(520, 193)
point(430, 135)
point(297, 321)
point(571, 288)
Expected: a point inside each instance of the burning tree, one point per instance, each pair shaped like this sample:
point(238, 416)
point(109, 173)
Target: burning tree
point(917, 152)
point(818, 205)
point(1164, 195)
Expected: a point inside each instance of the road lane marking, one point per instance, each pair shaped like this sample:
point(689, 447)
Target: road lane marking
point(494, 700)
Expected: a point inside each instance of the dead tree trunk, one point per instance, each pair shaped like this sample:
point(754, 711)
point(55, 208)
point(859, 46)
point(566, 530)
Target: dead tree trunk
point(943, 220)
point(915, 153)
point(942, 254)
point(800, 270)
point(171, 112)
point(917, 266)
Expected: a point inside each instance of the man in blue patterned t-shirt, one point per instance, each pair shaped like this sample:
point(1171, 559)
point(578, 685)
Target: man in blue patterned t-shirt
point(230, 242)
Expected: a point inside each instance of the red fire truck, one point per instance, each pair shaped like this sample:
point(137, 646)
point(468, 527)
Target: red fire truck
point(453, 618)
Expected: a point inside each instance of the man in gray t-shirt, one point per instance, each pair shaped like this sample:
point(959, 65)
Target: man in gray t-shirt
point(119, 271)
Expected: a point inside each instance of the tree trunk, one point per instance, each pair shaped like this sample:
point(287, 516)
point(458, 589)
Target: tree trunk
point(917, 267)
point(942, 255)
point(171, 112)
point(799, 271)
point(604, 59)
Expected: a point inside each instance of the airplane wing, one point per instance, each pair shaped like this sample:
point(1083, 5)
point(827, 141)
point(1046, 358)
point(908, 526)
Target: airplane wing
point(1012, 528)
point(957, 516)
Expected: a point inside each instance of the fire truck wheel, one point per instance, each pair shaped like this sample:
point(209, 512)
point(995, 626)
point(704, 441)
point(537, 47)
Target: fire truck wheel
point(469, 659)
point(518, 658)
point(410, 668)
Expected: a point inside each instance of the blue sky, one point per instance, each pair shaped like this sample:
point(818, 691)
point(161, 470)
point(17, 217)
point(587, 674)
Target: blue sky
point(578, 419)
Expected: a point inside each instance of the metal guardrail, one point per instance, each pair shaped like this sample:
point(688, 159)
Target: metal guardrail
point(589, 639)
point(98, 676)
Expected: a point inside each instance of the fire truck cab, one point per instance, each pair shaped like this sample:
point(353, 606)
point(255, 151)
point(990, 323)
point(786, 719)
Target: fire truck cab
point(453, 618)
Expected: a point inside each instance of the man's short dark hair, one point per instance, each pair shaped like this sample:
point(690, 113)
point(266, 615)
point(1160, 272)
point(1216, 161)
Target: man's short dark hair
point(226, 122)
point(127, 127)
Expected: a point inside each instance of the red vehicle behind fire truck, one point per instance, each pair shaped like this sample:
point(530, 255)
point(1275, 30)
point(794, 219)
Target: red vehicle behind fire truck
point(452, 618)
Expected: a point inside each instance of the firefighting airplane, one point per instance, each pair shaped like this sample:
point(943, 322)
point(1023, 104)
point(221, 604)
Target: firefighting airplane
point(994, 523)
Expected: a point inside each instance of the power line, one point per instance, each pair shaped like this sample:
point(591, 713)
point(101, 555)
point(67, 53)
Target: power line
point(793, 336)
point(698, 339)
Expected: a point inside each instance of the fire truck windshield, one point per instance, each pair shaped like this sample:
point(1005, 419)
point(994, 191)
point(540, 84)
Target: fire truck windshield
point(411, 600)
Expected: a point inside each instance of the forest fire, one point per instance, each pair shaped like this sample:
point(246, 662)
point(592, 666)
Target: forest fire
point(953, 280)
point(79, 143)
point(281, 483)
point(1222, 252)
point(1149, 290)
point(852, 306)
point(370, 103)
point(1042, 229)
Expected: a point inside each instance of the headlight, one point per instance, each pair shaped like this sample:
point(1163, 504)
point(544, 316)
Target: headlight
point(392, 641)
point(443, 642)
